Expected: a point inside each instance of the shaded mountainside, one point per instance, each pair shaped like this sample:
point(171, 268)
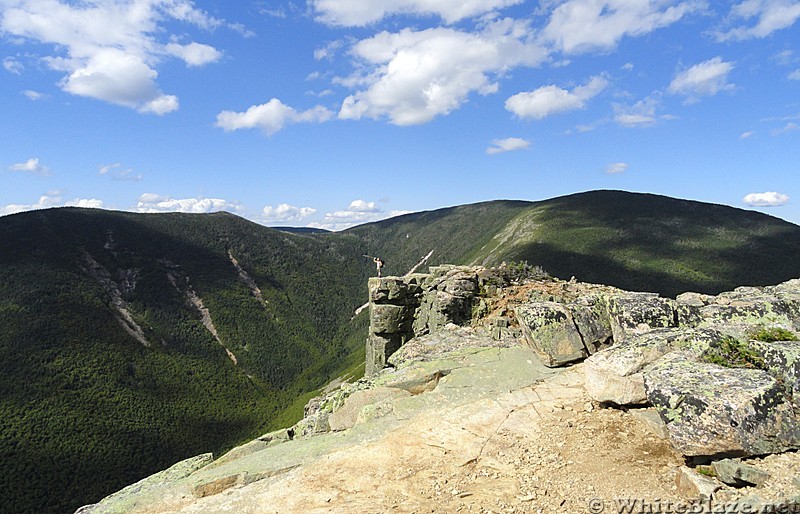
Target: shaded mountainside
point(129, 342)
point(108, 371)
point(634, 241)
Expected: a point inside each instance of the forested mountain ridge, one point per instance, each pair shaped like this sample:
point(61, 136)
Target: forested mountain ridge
point(131, 341)
point(635, 241)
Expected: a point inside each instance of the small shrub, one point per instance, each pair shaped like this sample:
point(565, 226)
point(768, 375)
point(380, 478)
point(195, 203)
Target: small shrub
point(732, 353)
point(772, 334)
point(521, 270)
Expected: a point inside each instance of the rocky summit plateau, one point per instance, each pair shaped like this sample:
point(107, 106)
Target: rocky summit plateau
point(505, 390)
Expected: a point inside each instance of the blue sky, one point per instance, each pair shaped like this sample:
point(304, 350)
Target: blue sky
point(330, 113)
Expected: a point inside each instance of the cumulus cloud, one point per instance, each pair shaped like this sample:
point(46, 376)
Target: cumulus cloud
point(151, 203)
point(117, 172)
point(49, 200)
point(109, 49)
point(705, 79)
point(767, 199)
point(270, 117)
point(761, 18)
point(31, 166)
point(508, 144)
point(412, 76)
point(547, 100)
point(358, 212)
point(286, 213)
point(578, 26)
point(747, 135)
point(194, 54)
point(361, 12)
point(617, 167)
point(795, 75)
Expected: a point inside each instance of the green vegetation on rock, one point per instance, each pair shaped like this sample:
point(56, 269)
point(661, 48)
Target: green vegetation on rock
point(772, 334)
point(732, 353)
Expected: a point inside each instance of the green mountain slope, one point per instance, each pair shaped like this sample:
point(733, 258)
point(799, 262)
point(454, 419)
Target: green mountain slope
point(630, 240)
point(88, 405)
point(130, 341)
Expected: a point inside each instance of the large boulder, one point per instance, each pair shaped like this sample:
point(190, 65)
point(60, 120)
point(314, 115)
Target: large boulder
point(710, 410)
point(549, 328)
point(745, 309)
point(590, 315)
point(782, 360)
point(635, 313)
point(615, 375)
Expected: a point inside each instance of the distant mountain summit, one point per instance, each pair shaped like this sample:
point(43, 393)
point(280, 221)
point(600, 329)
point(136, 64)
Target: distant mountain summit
point(132, 341)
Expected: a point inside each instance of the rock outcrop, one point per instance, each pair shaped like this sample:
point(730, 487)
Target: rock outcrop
point(452, 370)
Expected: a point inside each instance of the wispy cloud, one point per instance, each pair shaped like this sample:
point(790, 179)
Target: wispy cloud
point(704, 79)
point(359, 13)
point(12, 65)
point(117, 172)
point(617, 167)
point(760, 18)
point(641, 114)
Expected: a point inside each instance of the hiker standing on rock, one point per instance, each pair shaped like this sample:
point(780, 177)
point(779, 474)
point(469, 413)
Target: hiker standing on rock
point(378, 265)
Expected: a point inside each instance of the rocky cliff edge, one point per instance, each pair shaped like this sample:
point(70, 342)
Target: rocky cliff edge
point(507, 391)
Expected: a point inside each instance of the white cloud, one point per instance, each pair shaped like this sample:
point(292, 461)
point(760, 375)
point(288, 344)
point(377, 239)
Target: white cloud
point(31, 166)
point(769, 16)
point(795, 75)
point(747, 135)
point(768, 199)
point(109, 49)
point(32, 95)
point(509, 144)
point(705, 79)
point(194, 54)
point(641, 114)
point(789, 127)
point(285, 213)
point(329, 51)
point(363, 206)
point(49, 200)
point(577, 26)
point(358, 212)
point(270, 117)
point(617, 167)
point(151, 202)
point(363, 12)
point(548, 100)
point(116, 172)
point(413, 76)
point(12, 65)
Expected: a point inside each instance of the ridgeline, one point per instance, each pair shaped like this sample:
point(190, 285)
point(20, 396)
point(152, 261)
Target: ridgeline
point(132, 341)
